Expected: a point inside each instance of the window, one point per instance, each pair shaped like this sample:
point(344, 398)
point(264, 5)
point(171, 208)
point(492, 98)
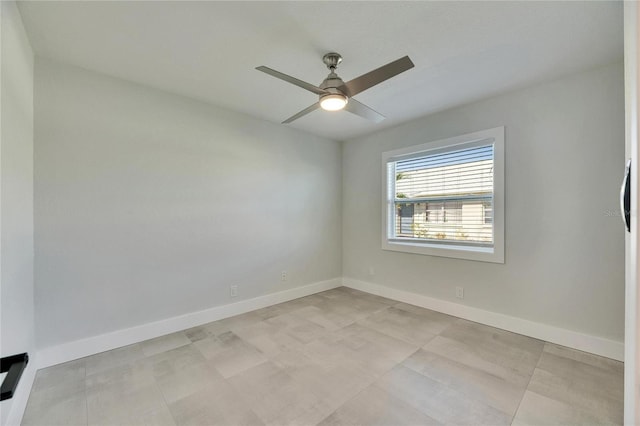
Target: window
point(446, 198)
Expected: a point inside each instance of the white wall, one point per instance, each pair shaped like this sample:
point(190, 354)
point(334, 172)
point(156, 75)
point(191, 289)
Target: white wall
point(150, 205)
point(564, 261)
point(16, 202)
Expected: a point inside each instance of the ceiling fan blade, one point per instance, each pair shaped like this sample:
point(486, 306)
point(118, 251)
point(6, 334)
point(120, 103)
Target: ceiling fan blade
point(363, 111)
point(385, 72)
point(302, 113)
point(307, 86)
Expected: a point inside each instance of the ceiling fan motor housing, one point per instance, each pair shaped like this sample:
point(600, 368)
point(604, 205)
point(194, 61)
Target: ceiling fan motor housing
point(332, 82)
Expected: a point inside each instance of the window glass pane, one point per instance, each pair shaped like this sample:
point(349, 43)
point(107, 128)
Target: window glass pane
point(446, 196)
point(465, 220)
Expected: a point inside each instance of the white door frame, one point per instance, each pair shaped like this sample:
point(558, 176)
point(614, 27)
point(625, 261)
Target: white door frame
point(632, 239)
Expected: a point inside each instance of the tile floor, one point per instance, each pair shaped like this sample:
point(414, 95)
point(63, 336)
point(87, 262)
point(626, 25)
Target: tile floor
point(340, 357)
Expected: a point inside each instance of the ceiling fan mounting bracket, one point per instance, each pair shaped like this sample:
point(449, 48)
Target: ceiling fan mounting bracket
point(331, 60)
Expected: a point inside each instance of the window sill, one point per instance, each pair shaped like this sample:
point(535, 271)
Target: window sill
point(479, 254)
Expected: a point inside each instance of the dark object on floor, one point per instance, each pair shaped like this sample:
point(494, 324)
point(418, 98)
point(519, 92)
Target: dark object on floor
point(13, 365)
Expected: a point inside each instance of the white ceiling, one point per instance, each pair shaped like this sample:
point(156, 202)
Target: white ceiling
point(463, 51)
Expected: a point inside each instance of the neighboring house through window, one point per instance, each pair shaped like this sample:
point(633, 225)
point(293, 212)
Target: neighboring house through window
point(446, 198)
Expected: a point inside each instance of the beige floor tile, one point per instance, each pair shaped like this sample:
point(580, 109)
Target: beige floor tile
point(53, 394)
point(218, 404)
point(353, 294)
point(510, 364)
point(68, 412)
point(209, 346)
point(311, 416)
point(616, 367)
point(297, 327)
point(354, 303)
point(438, 320)
point(114, 404)
point(404, 325)
point(157, 417)
point(365, 340)
point(268, 338)
point(275, 396)
point(357, 309)
point(293, 305)
point(334, 378)
point(475, 384)
point(58, 384)
point(123, 379)
point(230, 324)
point(164, 343)
point(507, 355)
point(113, 358)
point(275, 310)
point(374, 406)
point(187, 381)
point(197, 333)
point(359, 348)
point(73, 371)
point(333, 385)
point(172, 361)
point(597, 391)
point(538, 410)
point(494, 339)
point(324, 317)
point(317, 299)
point(439, 402)
point(355, 353)
point(342, 293)
point(216, 328)
point(290, 360)
point(160, 416)
point(229, 354)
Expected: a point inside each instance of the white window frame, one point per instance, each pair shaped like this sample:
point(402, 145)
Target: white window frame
point(494, 254)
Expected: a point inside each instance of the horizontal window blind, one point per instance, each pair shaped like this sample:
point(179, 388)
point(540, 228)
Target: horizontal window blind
point(444, 197)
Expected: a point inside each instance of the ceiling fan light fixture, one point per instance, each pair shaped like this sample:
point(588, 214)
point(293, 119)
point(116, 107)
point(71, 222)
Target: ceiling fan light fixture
point(333, 102)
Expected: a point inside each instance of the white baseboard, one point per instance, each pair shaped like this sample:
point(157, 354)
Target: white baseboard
point(116, 339)
point(21, 396)
point(561, 336)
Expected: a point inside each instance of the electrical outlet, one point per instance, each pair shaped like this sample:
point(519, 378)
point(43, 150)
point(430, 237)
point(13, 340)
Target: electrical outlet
point(372, 271)
point(233, 290)
point(283, 277)
point(460, 292)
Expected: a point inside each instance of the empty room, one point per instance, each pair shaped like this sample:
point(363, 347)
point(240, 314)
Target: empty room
point(319, 213)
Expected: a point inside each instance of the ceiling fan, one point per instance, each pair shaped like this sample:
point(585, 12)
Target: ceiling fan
point(335, 94)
